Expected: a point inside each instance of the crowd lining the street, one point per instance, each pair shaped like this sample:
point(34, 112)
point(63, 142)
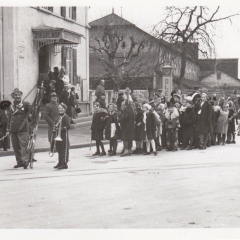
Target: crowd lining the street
point(196, 121)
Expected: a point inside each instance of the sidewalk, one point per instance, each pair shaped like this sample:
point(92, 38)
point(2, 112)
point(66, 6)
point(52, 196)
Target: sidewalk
point(79, 137)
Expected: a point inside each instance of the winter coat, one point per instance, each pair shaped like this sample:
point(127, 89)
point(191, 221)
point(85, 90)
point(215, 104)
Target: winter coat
point(188, 122)
point(231, 124)
point(98, 125)
point(204, 119)
point(73, 99)
point(150, 126)
point(222, 123)
point(139, 130)
point(64, 98)
point(127, 124)
point(109, 120)
point(172, 119)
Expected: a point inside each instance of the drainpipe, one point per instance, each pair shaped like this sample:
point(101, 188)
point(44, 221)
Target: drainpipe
point(1, 55)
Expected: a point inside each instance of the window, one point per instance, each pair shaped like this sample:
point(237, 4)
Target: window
point(218, 75)
point(48, 8)
point(69, 61)
point(69, 12)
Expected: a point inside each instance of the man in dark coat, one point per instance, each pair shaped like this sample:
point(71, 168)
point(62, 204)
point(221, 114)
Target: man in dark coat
point(59, 82)
point(204, 120)
point(188, 122)
point(19, 128)
point(127, 125)
point(51, 114)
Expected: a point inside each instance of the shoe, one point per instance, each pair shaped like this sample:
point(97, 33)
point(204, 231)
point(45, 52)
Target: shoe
point(223, 143)
point(233, 141)
point(18, 166)
point(208, 145)
point(5, 150)
point(96, 154)
point(136, 151)
point(102, 154)
point(155, 153)
point(227, 142)
point(159, 148)
point(174, 150)
point(109, 151)
point(182, 148)
point(146, 153)
point(202, 148)
point(25, 165)
point(189, 148)
point(64, 166)
point(125, 154)
point(34, 160)
point(57, 166)
point(169, 149)
point(112, 154)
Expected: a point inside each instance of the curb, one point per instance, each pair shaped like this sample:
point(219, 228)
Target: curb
point(45, 149)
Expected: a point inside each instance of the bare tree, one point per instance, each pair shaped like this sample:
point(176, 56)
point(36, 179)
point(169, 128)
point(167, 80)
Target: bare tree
point(183, 26)
point(123, 53)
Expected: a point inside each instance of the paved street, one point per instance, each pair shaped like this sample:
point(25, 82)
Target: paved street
point(184, 189)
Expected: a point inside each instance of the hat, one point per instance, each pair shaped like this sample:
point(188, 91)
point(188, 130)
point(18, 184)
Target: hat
point(120, 94)
point(188, 100)
point(52, 81)
point(111, 104)
point(16, 90)
point(5, 104)
point(173, 92)
point(170, 105)
point(176, 95)
point(159, 90)
point(53, 94)
point(63, 105)
point(147, 106)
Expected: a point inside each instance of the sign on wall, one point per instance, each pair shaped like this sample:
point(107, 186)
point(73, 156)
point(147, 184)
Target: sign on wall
point(167, 87)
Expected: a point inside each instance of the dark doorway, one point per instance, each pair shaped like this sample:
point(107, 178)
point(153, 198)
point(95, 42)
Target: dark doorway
point(43, 58)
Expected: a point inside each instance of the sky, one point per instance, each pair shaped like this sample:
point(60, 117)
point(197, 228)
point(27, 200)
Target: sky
point(227, 40)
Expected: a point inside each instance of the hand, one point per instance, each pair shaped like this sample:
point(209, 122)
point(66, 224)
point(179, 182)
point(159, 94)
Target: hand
point(139, 124)
point(7, 133)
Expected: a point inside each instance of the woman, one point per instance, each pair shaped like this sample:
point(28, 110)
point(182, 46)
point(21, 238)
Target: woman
point(97, 128)
point(149, 121)
point(112, 130)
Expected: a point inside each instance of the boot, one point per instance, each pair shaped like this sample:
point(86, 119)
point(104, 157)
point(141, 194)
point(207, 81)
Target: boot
point(126, 153)
point(63, 166)
point(96, 153)
point(136, 151)
point(58, 165)
point(189, 148)
point(112, 154)
point(102, 154)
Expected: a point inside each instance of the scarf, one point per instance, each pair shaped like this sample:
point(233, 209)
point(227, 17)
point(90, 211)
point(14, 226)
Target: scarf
point(100, 110)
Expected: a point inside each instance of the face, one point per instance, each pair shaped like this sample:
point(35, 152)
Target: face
point(103, 97)
point(102, 83)
point(66, 88)
point(54, 99)
point(204, 97)
point(145, 109)
point(111, 108)
point(61, 109)
point(184, 103)
point(176, 99)
point(95, 106)
point(17, 96)
point(170, 109)
point(188, 105)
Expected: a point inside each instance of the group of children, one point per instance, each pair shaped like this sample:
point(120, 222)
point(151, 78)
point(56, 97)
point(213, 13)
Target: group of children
point(197, 121)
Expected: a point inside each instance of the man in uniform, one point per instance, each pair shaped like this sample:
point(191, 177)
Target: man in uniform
point(51, 114)
point(19, 128)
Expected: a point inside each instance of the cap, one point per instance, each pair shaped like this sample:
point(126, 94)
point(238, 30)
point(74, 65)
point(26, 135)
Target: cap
point(64, 105)
point(16, 90)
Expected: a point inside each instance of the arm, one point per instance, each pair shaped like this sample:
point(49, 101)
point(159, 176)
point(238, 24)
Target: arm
point(65, 123)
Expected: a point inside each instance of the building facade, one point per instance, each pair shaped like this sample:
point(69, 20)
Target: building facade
point(35, 37)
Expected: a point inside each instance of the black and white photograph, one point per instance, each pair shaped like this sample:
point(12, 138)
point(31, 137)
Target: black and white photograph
point(119, 120)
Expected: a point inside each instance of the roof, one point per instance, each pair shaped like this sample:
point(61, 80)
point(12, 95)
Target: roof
point(212, 72)
point(111, 19)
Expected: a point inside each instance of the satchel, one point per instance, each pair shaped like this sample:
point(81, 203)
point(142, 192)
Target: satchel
point(78, 110)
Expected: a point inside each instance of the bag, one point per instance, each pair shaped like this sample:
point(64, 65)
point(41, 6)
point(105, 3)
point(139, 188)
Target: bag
point(78, 110)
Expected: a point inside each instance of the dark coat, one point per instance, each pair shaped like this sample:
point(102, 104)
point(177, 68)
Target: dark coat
point(98, 125)
point(127, 124)
point(102, 102)
point(18, 122)
point(139, 130)
point(231, 124)
point(112, 118)
point(204, 119)
point(64, 98)
point(188, 122)
point(151, 126)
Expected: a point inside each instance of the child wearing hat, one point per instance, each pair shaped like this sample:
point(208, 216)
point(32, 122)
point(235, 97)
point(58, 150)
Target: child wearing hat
point(172, 125)
point(62, 147)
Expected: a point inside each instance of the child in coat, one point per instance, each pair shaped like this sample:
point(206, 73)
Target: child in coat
point(172, 125)
point(62, 147)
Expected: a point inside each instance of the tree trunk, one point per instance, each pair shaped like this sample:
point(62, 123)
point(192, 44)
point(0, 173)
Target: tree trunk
point(183, 66)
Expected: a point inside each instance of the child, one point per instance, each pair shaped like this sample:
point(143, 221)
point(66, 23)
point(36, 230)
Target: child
point(62, 147)
point(172, 125)
point(112, 130)
point(97, 127)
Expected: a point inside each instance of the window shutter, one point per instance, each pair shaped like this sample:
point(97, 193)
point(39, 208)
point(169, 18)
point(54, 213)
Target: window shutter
point(50, 9)
point(64, 56)
point(74, 13)
point(74, 51)
point(63, 11)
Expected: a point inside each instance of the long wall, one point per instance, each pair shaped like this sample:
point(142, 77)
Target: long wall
point(20, 58)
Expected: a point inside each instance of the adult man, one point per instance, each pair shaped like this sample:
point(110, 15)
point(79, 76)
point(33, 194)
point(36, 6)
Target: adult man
point(204, 120)
point(51, 114)
point(19, 128)
point(59, 82)
point(100, 90)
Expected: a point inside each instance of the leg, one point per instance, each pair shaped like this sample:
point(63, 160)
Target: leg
point(111, 145)
point(174, 140)
point(16, 148)
point(97, 147)
point(23, 141)
point(154, 147)
point(102, 147)
point(223, 138)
